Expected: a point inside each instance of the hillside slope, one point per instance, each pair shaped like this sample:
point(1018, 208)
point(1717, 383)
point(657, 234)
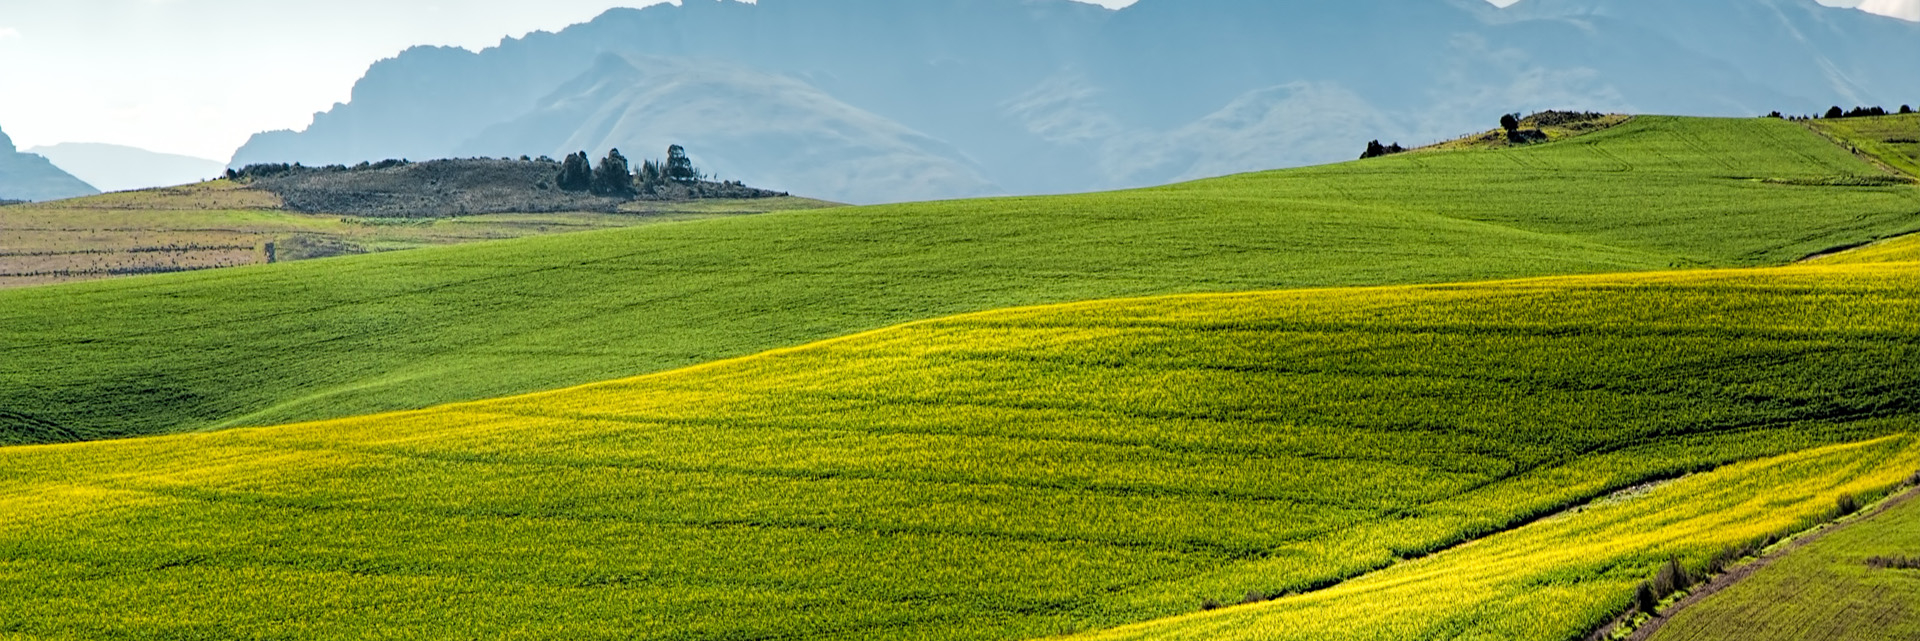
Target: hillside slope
point(357, 335)
point(30, 177)
point(1023, 473)
point(1833, 586)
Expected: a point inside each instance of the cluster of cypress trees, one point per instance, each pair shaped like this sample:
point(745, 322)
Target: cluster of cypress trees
point(615, 176)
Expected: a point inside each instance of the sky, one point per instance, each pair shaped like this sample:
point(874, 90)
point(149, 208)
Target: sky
point(198, 77)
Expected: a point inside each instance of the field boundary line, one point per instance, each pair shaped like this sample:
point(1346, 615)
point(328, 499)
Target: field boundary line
point(1734, 576)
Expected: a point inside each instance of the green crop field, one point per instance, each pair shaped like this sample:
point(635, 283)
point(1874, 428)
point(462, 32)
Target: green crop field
point(1563, 577)
point(347, 336)
point(1893, 140)
point(218, 224)
point(1826, 590)
point(1023, 473)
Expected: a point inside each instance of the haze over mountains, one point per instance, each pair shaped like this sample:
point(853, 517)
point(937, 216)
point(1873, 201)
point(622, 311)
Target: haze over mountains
point(120, 168)
point(880, 100)
point(26, 176)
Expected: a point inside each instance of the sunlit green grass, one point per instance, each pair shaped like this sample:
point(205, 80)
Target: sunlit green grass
point(1826, 589)
point(1013, 474)
point(1894, 140)
point(405, 330)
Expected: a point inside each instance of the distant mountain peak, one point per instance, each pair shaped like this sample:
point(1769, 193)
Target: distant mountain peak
point(31, 177)
point(834, 97)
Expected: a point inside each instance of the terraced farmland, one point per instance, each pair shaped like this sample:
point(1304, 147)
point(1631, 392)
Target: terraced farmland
point(218, 224)
point(1023, 473)
point(350, 336)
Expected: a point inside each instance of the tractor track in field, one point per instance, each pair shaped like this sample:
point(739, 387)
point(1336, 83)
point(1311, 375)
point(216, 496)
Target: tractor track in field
point(1736, 575)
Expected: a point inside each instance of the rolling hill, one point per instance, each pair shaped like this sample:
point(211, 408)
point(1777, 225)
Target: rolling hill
point(1833, 586)
point(348, 336)
point(1029, 472)
point(1054, 96)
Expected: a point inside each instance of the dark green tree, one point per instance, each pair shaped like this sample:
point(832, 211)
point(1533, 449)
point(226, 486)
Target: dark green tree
point(679, 167)
point(1836, 113)
point(650, 175)
point(575, 173)
point(1374, 150)
point(1906, 109)
point(613, 177)
point(1510, 122)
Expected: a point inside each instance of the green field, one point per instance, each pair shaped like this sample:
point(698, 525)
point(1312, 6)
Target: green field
point(348, 336)
point(1563, 577)
point(220, 224)
point(1826, 590)
point(1892, 140)
point(1021, 473)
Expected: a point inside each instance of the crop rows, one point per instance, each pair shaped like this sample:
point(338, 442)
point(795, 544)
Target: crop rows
point(1858, 583)
point(1009, 474)
point(1563, 577)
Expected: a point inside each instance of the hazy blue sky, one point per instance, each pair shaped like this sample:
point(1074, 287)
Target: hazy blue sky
point(197, 77)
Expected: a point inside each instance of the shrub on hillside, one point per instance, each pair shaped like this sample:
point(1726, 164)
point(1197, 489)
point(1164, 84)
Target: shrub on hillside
point(1906, 109)
point(1672, 578)
point(1836, 113)
point(1554, 118)
point(1645, 599)
point(1376, 150)
point(1846, 505)
point(1526, 136)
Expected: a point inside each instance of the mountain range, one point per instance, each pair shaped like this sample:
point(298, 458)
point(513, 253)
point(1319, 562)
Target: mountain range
point(880, 100)
point(25, 176)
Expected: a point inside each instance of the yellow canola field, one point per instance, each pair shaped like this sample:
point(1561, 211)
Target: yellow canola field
point(1026, 473)
point(1545, 580)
